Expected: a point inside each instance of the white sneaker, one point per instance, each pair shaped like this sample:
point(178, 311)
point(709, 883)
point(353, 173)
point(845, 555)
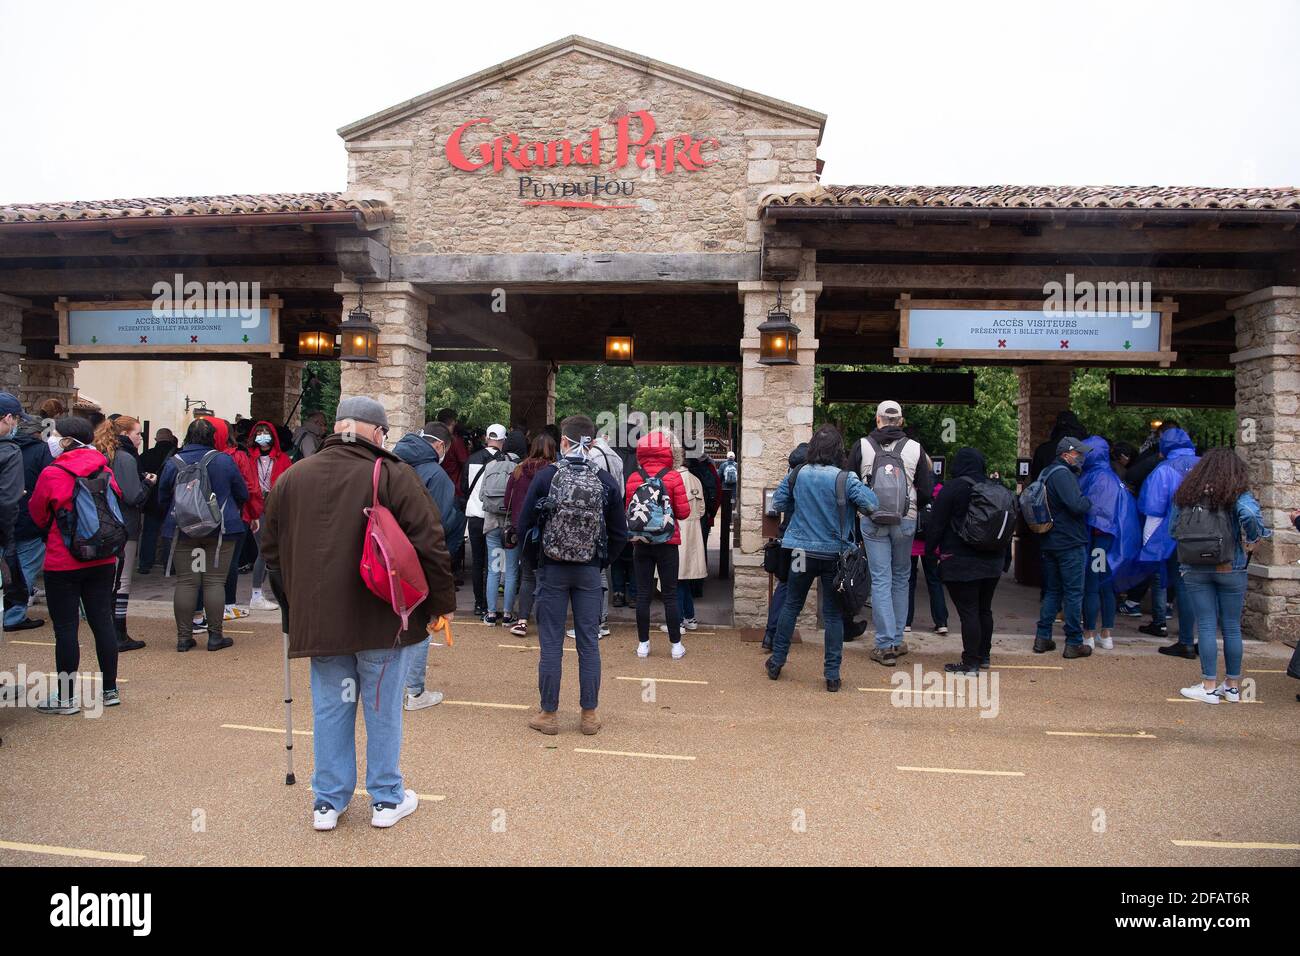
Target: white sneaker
point(941, 629)
point(1231, 695)
point(690, 624)
point(679, 651)
point(520, 629)
point(1198, 692)
point(907, 629)
point(324, 817)
point(385, 815)
point(430, 698)
point(234, 613)
point(1091, 642)
point(1106, 643)
point(643, 649)
point(571, 633)
point(260, 603)
point(604, 629)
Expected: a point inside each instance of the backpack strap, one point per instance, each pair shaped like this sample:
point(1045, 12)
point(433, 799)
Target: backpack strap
point(374, 483)
point(660, 477)
point(841, 497)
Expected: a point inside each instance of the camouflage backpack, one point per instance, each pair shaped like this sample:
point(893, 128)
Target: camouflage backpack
point(574, 530)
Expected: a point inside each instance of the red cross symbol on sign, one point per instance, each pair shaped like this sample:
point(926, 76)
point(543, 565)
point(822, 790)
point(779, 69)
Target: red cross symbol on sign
point(144, 339)
point(1002, 343)
point(194, 338)
point(1065, 343)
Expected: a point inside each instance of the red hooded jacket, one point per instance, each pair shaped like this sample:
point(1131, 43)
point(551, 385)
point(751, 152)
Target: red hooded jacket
point(280, 462)
point(654, 453)
point(256, 504)
point(53, 493)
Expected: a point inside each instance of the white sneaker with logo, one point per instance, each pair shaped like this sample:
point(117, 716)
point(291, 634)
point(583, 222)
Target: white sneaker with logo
point(679, 651)
point(430, 698)
point(643, 649)
point(260, 603)
point(386, 814)
point(324, 817)
point(1231, 695)
point(1198, 692)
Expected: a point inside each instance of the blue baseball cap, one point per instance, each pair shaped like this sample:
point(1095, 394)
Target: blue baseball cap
point(10, 405)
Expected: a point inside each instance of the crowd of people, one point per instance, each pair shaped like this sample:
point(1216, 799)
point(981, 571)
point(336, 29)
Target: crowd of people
point(559, 525)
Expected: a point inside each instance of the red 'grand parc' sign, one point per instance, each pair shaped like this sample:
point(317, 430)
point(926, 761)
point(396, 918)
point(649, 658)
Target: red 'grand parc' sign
point(631, 145)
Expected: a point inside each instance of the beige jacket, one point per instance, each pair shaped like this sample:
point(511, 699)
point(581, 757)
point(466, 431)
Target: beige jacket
point(692, 563)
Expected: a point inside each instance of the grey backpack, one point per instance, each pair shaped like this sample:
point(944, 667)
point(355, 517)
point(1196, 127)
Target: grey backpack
point(195, 508)
point(496, 475)
point(574, 530)
point(889, 480)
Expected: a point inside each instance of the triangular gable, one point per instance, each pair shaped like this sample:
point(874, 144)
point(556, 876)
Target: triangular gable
point(778, 109)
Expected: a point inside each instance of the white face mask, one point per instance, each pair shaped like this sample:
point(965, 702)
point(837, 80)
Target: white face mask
point(263, 440)
point(55, 444)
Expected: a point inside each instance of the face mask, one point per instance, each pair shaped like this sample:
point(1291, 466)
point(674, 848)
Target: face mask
point(263, 440)
point(55, 445)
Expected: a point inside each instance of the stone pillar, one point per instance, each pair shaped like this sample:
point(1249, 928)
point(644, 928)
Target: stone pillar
point(47, 378)
point(276, 387)
point(1267, 364)
point(1044, 394)
point(11, 342)
point(776, 413)
point(532, 395)
point(398, 379)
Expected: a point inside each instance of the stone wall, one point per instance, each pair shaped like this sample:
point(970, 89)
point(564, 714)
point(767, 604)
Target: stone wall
point(11, 342)
point(441, 209)
point(532, 395)
point(398, 379)
point(1267, 364)
point(1044, 394)
point(276, 387)
point(47, 378)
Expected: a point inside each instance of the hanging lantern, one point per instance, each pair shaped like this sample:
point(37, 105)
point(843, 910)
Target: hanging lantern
point(359, 337)
point(316, 341)
point(778, 337)
point(620, 345)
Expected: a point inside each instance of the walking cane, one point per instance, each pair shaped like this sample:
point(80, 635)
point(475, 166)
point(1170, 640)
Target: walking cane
point(277, 588)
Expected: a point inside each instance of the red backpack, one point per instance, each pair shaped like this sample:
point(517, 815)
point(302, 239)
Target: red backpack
point(390, 567)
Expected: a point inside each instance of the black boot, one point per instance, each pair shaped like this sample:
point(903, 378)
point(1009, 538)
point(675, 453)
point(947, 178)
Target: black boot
point(217, 642)
point(185, 641)
point(124, 642)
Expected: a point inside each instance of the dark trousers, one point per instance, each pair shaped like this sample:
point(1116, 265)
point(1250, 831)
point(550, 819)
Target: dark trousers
point(938, 609)
point(478, 550)
point(150, 528)
point(774, 607)
point(18, 590)
point(646, 558)
point(65, 591)
point(526, 593)
point(974, 603)
point(559, 586)
point(796, 593)
point(197, 588)
point(1063, 591)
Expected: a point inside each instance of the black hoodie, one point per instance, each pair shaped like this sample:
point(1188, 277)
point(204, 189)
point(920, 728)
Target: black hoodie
point(1067, 426)
point(958, 561)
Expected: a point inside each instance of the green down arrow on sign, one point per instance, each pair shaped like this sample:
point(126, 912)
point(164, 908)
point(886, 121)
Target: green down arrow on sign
point(1128, 344)
point(939, 343)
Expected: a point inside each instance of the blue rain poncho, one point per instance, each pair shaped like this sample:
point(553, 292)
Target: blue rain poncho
point(1114, 511)
point(1157, 495)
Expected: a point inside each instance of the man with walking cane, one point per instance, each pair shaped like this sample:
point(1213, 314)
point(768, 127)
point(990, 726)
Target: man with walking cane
point(317, 520)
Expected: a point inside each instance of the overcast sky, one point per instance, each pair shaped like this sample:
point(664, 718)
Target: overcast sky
point(122, 99)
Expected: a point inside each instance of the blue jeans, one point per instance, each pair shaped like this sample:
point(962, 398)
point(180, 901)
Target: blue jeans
point(1186, 613)
point(889, 555)
point(1217, 599)
point(339, 684)
point(417, 667)
point(774, 608)
point(796, 593)
point(933, 584)
point(501, 560)
point(1098, 592)
point(31, 556)
point(1063, 590)
point(685, 601)
point(558, 585)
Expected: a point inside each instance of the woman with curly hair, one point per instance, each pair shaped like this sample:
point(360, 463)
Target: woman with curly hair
point(1214, 492)
point(118, 440)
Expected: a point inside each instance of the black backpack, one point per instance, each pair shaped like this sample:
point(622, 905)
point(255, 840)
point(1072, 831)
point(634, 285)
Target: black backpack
point(93, 528)
point(1204, 536)
point(852, 582)
point(990, 518)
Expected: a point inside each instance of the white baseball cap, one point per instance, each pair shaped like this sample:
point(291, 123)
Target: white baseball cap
point(889, 407)
point(496, 432)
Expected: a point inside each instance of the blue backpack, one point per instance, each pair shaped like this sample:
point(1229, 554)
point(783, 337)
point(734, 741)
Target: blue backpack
point(649, 513)
point(92, 528)
point(1034, 505)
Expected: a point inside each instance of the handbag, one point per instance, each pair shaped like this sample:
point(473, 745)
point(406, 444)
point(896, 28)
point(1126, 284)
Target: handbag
point(852, 581)
point(776, 559)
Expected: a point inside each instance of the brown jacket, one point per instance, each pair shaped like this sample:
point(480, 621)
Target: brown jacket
point(313, 531)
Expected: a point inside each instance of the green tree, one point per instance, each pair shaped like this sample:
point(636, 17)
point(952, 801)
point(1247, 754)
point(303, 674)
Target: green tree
point(321, 388)
point(1090, 399)
point(478, 391)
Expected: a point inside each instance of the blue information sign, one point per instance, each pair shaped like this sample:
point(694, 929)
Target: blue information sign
point(143, 328)
point(991, 330)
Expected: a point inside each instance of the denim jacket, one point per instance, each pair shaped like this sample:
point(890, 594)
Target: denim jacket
point(1247, 519)
point(814, 526)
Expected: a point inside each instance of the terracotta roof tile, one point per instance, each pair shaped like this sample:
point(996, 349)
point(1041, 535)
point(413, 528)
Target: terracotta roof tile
point(1047, 197)
point(181, 206)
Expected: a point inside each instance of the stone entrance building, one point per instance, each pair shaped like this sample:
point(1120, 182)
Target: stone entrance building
point(521, 213)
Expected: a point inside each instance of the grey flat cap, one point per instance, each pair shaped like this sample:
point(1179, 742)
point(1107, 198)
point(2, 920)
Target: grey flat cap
point(361, 409)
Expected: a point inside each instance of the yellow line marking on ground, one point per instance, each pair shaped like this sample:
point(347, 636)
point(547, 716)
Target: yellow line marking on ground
point(1188, 700)
point(1250, 670)
point(663, 680)
point(483, 703)
point(1028, 667)
point(1220, 845)
point(982, 773)
point(71, 851)
point(1142, 735)
point(33, 643)
point(630, 753)
point(900, 690)
point(264, 730)
point(227, 630)
point(531, 647)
